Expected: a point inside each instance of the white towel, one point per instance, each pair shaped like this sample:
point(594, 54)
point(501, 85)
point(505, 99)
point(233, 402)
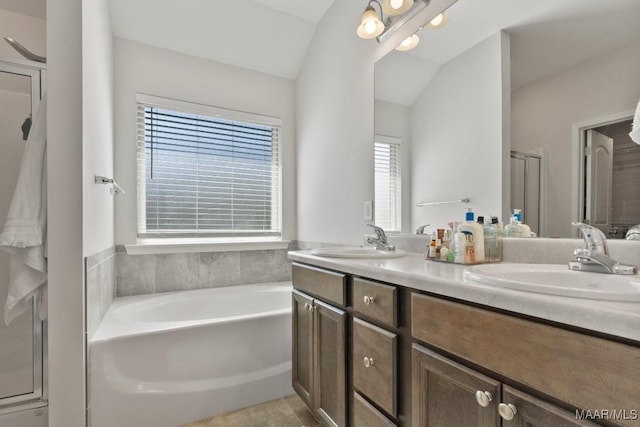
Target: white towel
point(635, 130)
point(24, 233)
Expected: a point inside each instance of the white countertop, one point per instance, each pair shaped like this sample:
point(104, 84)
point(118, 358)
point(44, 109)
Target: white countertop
point(620, 319)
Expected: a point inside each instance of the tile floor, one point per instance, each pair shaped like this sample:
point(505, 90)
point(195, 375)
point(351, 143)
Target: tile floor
point(288, 411)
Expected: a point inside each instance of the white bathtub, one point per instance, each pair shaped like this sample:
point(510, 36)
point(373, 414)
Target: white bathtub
point(172, 358)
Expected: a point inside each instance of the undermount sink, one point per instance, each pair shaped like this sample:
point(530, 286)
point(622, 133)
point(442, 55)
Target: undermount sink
point(357, 252)
point(555, 279)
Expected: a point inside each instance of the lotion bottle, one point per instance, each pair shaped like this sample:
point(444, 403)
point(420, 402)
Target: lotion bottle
point(475, 229)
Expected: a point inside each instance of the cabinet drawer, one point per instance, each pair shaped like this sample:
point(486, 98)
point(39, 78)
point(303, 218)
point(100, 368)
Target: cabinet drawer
point(365, 415)
point(584, 371)
point(533, 412)
point(324, 284)
point(376, 301)
point(374, 364)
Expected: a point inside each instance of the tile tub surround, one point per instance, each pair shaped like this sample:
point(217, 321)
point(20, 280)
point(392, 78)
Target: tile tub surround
point(146, 274)
point(100, 285)
point(620, 319)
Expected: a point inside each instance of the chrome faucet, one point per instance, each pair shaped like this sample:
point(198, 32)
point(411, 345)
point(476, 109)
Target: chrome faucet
point(380, 241)
point(420, 230)
point(595, 256)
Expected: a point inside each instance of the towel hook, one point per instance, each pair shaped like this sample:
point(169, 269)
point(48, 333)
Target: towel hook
point(115, 188)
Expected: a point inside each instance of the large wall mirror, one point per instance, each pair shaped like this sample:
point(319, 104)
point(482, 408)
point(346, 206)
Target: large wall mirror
point(535, 117)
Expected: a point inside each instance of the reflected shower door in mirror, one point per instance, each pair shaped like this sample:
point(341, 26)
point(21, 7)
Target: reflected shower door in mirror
point(526, 187)
point(558, 65)
point(21, 341)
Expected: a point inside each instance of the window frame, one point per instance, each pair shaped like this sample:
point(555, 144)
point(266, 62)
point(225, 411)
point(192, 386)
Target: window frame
point(396, 143)
point(240, 238)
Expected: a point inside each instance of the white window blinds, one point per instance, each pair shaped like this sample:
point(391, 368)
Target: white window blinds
point(387, 182)
point(206, 172)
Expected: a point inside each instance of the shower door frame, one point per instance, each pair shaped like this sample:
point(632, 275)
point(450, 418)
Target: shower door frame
point(38, 397)
point(518, 155)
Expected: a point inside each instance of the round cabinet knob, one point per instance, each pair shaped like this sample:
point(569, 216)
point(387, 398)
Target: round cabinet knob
point(368, 300)
point(507, 411)
point(367, 362)
point(483, 398)
point(308, 306)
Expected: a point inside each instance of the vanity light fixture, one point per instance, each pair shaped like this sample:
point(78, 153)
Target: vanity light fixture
point(409, 43)
point(398, 13)
point(396, 7)
point(371, 25)
point(438, 22)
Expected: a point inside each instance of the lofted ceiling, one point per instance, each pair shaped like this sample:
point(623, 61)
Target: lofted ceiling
point(270, 36)
point(546, 36)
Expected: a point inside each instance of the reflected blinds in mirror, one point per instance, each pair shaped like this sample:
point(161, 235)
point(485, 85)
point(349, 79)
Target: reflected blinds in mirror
point(205, 171)
point(387, 183)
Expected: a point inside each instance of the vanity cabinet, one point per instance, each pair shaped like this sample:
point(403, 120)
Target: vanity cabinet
point(319, 344)
point(370, 354)
point(579, 370)
point(444, 393)
point(448, 394)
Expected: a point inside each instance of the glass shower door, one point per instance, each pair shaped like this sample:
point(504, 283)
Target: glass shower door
point(21, 342)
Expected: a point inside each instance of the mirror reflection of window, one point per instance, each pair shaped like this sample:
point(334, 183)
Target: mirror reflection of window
point(387, 204)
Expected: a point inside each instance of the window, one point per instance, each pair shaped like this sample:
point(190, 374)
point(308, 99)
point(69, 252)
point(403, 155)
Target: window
point(387, 182)
point(206, 172)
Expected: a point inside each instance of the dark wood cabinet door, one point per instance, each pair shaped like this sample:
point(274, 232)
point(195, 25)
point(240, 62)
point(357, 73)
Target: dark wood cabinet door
point(528, 411)
point(444, 393)
point(302, 347)
point(329, 372)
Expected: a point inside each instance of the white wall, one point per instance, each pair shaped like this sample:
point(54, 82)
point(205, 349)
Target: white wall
point(97, 130)
point(335, 103)
point(64, 161)
point(28, 31)
point(395, 120)
point(544, 111)
point(154, 71)
point(458, 143)
point(335, 129)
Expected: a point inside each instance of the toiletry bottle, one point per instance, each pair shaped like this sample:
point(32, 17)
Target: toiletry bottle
point(513, 229)
point(439, 242)
point(432, 246)
point(470, 249)
point(498, 224)
point(498, 248)
point(460, 247)
point(490, 230)
point(475, 229)
point(448, 245)
point(524, 229)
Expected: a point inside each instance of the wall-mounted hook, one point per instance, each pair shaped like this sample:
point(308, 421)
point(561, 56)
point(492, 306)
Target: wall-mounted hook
point(115, 188)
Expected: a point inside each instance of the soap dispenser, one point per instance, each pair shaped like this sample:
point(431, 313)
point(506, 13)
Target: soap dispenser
point(525, 230)
point(513, 229)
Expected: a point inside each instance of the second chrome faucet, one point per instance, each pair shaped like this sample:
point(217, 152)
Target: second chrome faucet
point(380, 241)
point(594, 257)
